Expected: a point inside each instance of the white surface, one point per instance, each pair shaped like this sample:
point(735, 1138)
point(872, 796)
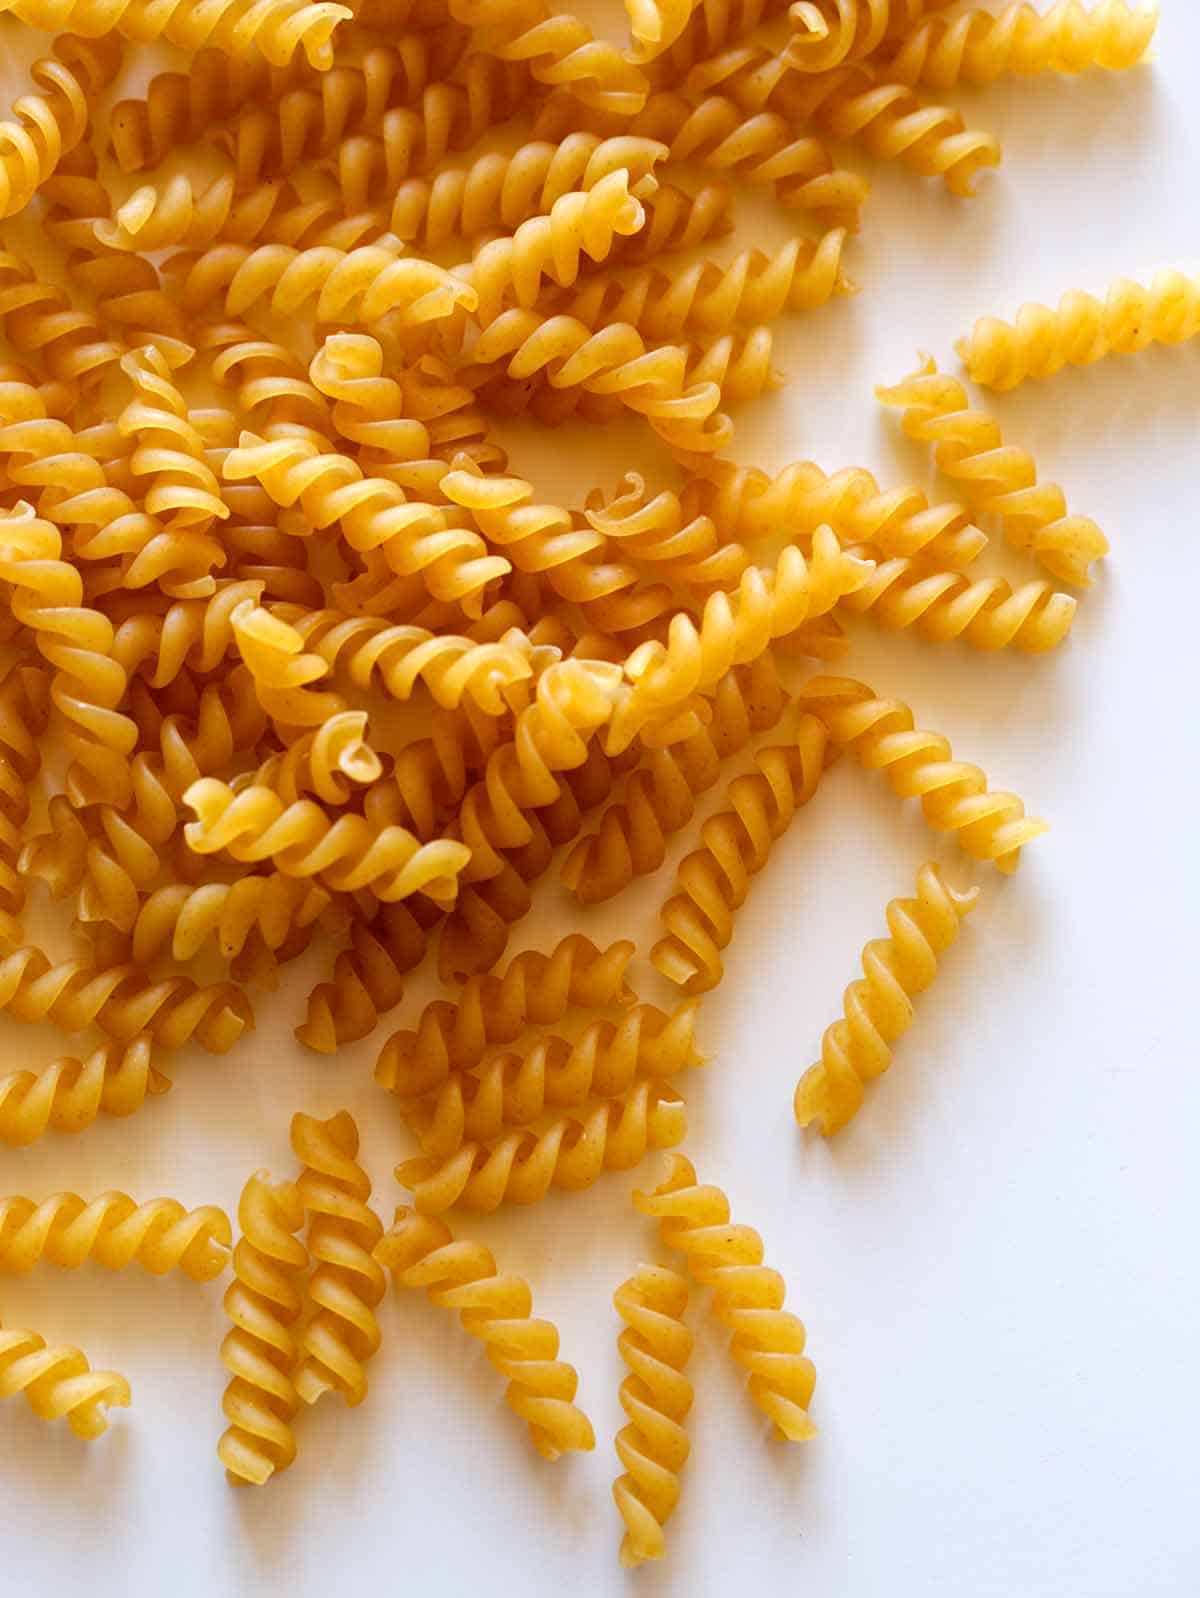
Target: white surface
point(996, 1262)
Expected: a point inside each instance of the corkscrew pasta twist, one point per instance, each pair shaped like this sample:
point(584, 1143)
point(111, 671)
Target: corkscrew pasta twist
point(920, 765)
point(879, 1006)
point(347, 1282)
point(68, 1095)
point(59, 1383)
point(735, 844)
point(570, 1153)
point(284, 674)
point(981, 46)
point(655, 25)
point(264, 1302)
point(182, 919)
point(40, 320)
point(332, 761)
point(47, 125)
point(24, 713)
point(113, 1230)
point(168, 448)
point(1000, 479)
point(1083, 329)
point(179, 213)
point(368, 976)
point(768, 1341)
point(560, 48)
point(656, 1396)
point(713, 29)
point(497, 1309)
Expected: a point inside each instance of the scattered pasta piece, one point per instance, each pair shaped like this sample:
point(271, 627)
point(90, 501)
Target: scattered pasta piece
point(59, 1383)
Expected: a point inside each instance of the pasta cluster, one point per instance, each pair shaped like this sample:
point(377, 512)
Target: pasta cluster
point(295, 658)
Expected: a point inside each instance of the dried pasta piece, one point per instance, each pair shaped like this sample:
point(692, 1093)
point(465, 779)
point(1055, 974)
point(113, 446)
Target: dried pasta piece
point(333, 761)
point(879, 1005)
point(536, 989)
point(39, 319)
point(368, 976)
point(954, 796)
point(182, 918)
point(560, 48)
point(264, 1302)
point(713, 29)
point(24, 712)
point(1000, 479)
point(1083, 329)
point(58, 1382)
point(714, 880)
point(496, 1308)
point(48, 124)
point(282, 672)
point(655, 25)
point(69, 1094)
point(768, 1341)
point(179, 214)
point(569, 1153)
point(114, 1230)
point(656, 1396)
point(346, 1283)
point(828, 32)
point(980, 46)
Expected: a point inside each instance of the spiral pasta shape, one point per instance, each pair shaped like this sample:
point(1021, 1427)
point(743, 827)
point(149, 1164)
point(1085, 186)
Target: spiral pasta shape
point(570, 1153)
point(283, 673)
point(367, 977)
point(59, 1383)
point(271, 382)
point(879, 1006)
point(264, 1302)
point(168, 448)
point(69, 1094)
point(920, 765)
point(733, 631)
point(713, 29)
point(768, 1341)
point(497, 1309)
point(515, 1089)
point(820, 40)
point(735, 844)
point(254, 824)
point(180, 214)
point(1000, 479)
point(560, 48)
point(986, 612)
point(659, 798)
point(347, 1282)
point(655, 25)
point(536, 989)
point(329, 762)
point(87, 685)
point(1082, 330)
point(656, 1396)
point(46, 125)
point(39, 319)
point(981, 46)
point(24, 712)
point(277, 29)
point(112, 1229)
point(190, 636)
point(182, 919)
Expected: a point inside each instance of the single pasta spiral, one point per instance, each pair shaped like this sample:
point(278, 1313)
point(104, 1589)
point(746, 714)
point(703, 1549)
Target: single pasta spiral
point(282, 672)
point(497, 1309)
point(735, 844)
point(59, 1383)
point(39, 319)
point(660, 529)
point(561, 50)
point(569, 1153)
point(536, 989)
point(47, 125)
point(272, 383)
point(347, 1282)
point(513, 1089)
point(168, 448)
point(712, 30)
point(264, 1302)
point(1082, 330)
point(768, 1341)
point(24, 712)
point(879, 1005)
point(182, 919)
point(368, 976)
point(1000, 479)
point(69, 1094)
point(981, 46)
point(277, 28)
point(332, 762)
point(180, 214)
point(920, 765)
point(190, 636)
point(656, 1396)
point(115, 1231)
point(655, 25)
point(254, 824)
point(676, 220)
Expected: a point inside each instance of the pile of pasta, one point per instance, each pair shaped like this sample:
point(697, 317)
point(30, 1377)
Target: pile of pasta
point(253, 499)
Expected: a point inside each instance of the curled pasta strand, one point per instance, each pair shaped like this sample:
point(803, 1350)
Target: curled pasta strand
point(981, 46)
point(735, 844)
point(655, 25)
point(954, 796)
point(748, 1297)
point(347, 1282)
point(1002, 480)
point(330, 762)
point(1083, 329)
point(560, 48)
point(45, 126)
point(168, 448)
point(659, 529)
point(112, 1229)
point(58, 1382)
point(269, 378)
point(820, 41)
point(656, 1396)
point(179, 214)
point(570, 1153)
point(39, 319)
point(714, 28)
point(368, 976)
point(282, 671)
point(497, 1309)
point(263, 1302)
point(676, 220)
point(183, 919)
point(536, 989)
point(189, 636)
point(69, 1094)
point(24, 713)
point(879, 1006)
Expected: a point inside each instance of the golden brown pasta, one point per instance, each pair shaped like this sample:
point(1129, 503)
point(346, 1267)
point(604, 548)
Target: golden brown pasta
point(69, 1094)
point(58, 1382)
point(115, 1231)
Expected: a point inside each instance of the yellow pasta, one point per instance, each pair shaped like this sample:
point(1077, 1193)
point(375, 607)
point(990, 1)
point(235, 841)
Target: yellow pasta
point(656, 24)
point(40, 320)
point(656, 1397)
point(496, 1308)
point(183, 918)
point(264, 1302)
point(879, 1006)
point(768, 1341)
point(333, 762)
point(367, 977)
point(560, 49)
point(115, 1231)
point(69, 1094)
point(48, 124)
point(24, 711)
point(58, 1382)
point(828, 32)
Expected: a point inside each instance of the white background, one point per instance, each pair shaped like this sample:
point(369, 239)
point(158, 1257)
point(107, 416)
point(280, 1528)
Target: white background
point(996, 1262)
